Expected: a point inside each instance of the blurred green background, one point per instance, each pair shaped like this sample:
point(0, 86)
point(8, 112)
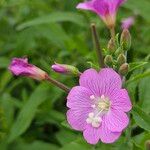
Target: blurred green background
point(32, 114)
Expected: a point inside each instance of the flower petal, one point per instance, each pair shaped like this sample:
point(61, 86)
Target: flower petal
point(85, 5)
point(77, 118)
point(91, 135)
point(79, 97)
point(121, 100)
point(90, 80)
point(102, 83)
point(111, 79)
point(107, 136)
point(116, 120)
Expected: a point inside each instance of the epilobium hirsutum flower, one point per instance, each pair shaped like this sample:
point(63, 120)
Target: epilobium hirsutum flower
point(21, 67)
point(106, 9)
point(98, 106)
point(127, 22)
point(65, 69)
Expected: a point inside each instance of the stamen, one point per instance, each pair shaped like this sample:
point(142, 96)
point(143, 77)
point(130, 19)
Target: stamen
point(100, 107)
point(95, 121)
point(93, 106)
point(92, 97)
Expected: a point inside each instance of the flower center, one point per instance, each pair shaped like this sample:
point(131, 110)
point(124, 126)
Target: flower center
point(100, 107)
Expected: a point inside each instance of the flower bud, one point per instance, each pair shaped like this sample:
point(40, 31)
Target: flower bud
point(123, 70)
point(121, 59)
point(111, 45)
point(21, 67)
point(65, 69)
point(108, 60)
point(118, 51)
point(125, 40)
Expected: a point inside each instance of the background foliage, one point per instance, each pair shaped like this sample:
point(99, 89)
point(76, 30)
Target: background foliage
point(32, 114)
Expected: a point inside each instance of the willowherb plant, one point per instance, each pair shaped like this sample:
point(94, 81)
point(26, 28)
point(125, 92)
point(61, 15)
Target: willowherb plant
point(98, 105)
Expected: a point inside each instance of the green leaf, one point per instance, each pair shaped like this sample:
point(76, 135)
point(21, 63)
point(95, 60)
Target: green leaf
point(36, 145)
point(140, 139)
point(53, 18)
point(65, 124)
point(78, 144)
point(138, 77)
point(144, 95)
point(69, 136)
point(136, 65)
point(27, 113)
point(141, 118)
point(4, 62)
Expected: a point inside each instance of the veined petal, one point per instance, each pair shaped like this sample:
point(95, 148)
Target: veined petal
point(120, 100)
point(79, 97)
point(108, 136)
point(91, 134)
point(90, 80)
point(116, 120)
point(77, 118)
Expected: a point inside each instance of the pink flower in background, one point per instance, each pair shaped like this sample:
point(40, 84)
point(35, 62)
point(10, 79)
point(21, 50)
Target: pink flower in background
point(127, 22)
point(98, 106)
point(106, 9)
point(20, 66)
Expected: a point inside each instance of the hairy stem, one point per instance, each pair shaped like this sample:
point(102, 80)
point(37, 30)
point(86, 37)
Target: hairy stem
point(58, 84)
point(97, 46)
point(112, 32)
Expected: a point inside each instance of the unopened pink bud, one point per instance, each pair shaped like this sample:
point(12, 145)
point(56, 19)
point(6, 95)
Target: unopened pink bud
point(21, 67)
point(65, 69)
point(59, 68)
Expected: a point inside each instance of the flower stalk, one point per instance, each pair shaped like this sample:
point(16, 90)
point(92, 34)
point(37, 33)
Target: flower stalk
point(57, 83)
point(112, 32)
point(97, 46)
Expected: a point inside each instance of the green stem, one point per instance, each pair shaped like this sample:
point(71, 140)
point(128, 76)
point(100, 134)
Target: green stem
point(112, 32)
point(58, 84)
point(97, 45)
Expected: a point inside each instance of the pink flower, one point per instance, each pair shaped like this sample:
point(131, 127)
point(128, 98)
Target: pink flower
point(98, 106)
point(20, 66)
point(106, 9)
point(127, 23)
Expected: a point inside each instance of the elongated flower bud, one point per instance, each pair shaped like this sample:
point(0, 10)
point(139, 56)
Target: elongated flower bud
point(125, 40)
point(108, 60)
point(121, 59)
point(21, 67)
point(111, 45)
point(123, 70)
point(65, 69)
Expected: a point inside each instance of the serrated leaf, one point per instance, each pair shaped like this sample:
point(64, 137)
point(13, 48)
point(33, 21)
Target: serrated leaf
point(141, 118)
